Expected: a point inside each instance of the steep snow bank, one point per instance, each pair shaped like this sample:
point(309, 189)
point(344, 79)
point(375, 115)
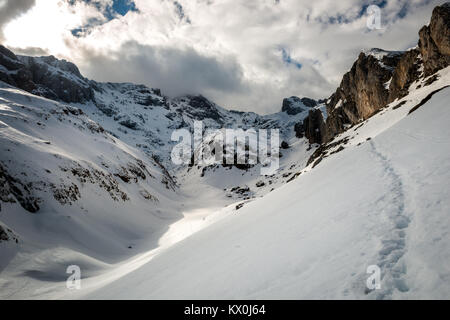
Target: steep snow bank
point(384, 202)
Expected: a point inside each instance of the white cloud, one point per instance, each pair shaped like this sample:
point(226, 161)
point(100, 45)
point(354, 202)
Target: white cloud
point(10, 9)
point(228, 50)
point(48, 23)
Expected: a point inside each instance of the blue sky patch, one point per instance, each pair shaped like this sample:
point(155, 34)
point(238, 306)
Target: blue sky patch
point(123, 6)
point(118, 8)
point(287, 59)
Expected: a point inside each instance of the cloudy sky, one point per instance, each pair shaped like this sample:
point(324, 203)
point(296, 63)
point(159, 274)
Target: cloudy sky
point(242, 54)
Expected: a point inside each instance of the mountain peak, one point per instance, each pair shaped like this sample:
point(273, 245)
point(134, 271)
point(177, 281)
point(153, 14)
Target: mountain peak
point(380, 53)
point(294, 105)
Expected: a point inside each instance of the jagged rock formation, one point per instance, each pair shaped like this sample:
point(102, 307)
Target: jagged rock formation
point(434, 40)
point(295, 105)
point(312, 127)
point(406, 72)
point(362, 92)
point(379, 77)
point(133, 114)
point(7, 234)
point(45, 76)
point(58, 79)
point(202, 108)
point(52, 132)
point(433, 51)
point(3, 235)
point(94, 173)
point(14, 72)
point(143, 117)
point(12, 189)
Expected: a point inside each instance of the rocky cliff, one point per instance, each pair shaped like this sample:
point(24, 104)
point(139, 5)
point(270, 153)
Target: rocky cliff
point(139, 115)
point(379, 77)
point(45, 76)
point(434, 43)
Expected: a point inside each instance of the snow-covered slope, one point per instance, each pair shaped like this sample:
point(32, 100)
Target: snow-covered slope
point(381, 201)
point(67, 183)
point(378, 196)
point(140, 116)
point(74, 192)
point(86, 179)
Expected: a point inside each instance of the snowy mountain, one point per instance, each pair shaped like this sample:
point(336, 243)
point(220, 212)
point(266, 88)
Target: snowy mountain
point(141, 116)
point(87, 179)
point(376, 202)
point(86, 169)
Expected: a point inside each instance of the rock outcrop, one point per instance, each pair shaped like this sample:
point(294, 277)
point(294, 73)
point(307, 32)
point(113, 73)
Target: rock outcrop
point(312, 127)
point(363, 91)
point(45, 76)
point(14, 72)
point(295, 105)
point(3, 235)
point(58, 79)
point(12, 189)
point(405, 74)
point(202, 108)
point(434, 43)
point(379, 77)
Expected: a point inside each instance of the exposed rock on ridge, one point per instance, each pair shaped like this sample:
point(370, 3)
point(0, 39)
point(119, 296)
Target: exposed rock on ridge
point(379, 77)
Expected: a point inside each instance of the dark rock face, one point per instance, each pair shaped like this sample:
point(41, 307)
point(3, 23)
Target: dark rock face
point(405, 74)
point(14, 72)
point(362, 91)
point(284, 145)
point(310, 103)
point(12, 189)
point(130, 124)
point(379, 77)
point(299, 130)
point(295, 105)
point(106, 109)
point(314, 126)
point(45, 76)
point(3, 235)
point(434, 42)
point(58, 79)
point(12, 61)
point(202, 108)
point(292, 105)
point(66, 194)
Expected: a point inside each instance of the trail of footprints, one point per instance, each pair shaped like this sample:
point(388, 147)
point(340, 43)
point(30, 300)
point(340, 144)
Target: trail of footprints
point(393, 269)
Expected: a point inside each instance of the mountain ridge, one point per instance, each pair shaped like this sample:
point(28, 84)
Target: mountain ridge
point(86, 177)
point(379, 77)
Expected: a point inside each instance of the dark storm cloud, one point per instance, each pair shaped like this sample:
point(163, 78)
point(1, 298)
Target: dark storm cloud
point(29, 51)
point(177, 71)
point(10, 9)
point(243, 54)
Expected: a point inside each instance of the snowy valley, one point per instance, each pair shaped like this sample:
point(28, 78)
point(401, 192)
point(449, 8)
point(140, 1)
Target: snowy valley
point(86, 179)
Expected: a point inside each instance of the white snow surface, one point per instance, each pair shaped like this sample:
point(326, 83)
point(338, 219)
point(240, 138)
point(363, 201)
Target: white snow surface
point(381, 201)
point(385, 202)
